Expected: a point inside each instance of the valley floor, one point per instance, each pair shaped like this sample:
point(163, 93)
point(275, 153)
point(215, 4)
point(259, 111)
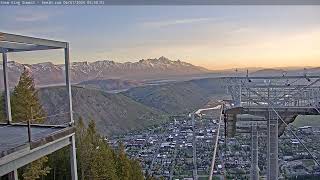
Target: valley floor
point(183, 149)
point(180, 149)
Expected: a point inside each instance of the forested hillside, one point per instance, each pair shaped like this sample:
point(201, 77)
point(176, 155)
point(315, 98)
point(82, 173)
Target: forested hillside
point(177, 97)
point(113, 113)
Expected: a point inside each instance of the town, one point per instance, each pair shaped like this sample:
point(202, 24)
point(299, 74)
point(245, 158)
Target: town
point(183, 149)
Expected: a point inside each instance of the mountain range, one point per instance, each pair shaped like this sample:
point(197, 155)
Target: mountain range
point(52, 74)
point(136, 108)
point(152, 89)
point(95, 74)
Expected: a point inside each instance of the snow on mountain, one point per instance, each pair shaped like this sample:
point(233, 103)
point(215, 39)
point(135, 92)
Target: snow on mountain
point(48, 73)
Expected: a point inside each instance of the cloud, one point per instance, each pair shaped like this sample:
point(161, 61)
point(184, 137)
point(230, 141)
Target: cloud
point(159, 24)
point(32, 17)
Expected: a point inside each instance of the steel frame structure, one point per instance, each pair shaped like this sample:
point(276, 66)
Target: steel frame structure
point(10, 43)
point(279, 99)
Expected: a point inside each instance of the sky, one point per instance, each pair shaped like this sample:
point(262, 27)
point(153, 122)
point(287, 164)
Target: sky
point(215, 37)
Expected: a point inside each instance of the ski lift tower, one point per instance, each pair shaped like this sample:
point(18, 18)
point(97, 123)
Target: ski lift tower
point(21, 143)
point(277, 99)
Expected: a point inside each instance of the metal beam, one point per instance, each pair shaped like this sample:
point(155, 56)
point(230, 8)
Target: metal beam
point(254, 152)
point(6, 86)
point(73, 158)
point(18, 47)
point(31, 40)
point(269, 77)
point(73, 154)
point(68, 83)
point(273, 168)
point(15, 174)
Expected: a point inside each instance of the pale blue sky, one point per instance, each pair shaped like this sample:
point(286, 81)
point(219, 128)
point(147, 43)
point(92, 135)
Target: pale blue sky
point(216, 37)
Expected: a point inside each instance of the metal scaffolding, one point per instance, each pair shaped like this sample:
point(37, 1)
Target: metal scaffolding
point(254, 152)
point(10, 43)
point(279, 99)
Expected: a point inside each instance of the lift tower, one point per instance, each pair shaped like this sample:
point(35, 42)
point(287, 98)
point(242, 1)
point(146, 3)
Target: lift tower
point(279, 99)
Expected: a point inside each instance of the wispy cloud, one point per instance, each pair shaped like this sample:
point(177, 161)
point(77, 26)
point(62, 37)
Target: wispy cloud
point(166, 23)
point(32, 17)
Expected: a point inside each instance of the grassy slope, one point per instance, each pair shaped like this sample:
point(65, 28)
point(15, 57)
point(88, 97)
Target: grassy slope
point(307, 120)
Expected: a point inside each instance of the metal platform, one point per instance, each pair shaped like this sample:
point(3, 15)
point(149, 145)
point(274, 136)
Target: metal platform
point(20, 145)
point(16, 150)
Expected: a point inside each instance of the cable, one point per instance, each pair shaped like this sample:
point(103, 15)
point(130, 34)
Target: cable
point(216, 145)
point(304, 146)
point(309, 152)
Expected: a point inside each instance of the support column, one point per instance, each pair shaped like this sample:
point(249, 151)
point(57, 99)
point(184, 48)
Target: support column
point(73, 158)
point(73, 155)
point(68, 83)
point(268, 145)
point(254, 152)
point(273, 154)
point(13, 175)
point(268, 135)
point(6, 86)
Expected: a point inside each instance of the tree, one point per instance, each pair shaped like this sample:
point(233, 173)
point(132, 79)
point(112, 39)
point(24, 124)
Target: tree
point(59, 162)
point(95, 157)
point(36, 169)
point(82, 151)
point(2, 109)
point(149, 177)
point(123, 164)
point(135, 170)
point(25, 105)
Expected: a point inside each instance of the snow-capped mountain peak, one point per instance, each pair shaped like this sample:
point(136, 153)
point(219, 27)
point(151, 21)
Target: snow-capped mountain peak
point(49, 73)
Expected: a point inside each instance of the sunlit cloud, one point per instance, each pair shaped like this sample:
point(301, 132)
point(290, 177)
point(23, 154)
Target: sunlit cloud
point(166, 23)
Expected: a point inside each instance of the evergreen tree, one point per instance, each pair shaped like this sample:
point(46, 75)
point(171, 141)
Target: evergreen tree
point(149, 177)
point(123, 164)
point(96, 160)
point(135, 170)
point(82, 151)
point(59, 162)
point(36, 169)
point(2, 109)
point(95, 157)
point(25, 105)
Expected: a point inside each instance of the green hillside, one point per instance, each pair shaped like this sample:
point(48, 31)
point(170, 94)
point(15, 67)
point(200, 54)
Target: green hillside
point(178, 97)
point(307, 120)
